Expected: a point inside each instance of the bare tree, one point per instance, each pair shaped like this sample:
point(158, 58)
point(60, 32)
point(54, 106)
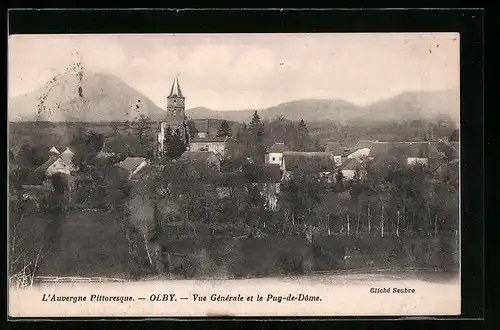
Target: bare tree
point(141, 217)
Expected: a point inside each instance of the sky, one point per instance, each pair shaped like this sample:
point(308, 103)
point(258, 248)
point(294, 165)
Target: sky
point(245, 71)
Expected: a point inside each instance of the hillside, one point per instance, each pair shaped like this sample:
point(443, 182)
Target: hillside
point(406, 106)
point(102, 97)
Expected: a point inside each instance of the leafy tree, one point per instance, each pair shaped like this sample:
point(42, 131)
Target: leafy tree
point(115, 129)
point(339, 180)
point(141, 128)
point(174, 144)
point(304, 141)
point(25, 157)
point(224, 130)
point(193, 131)
point(86, 149)
point(289, 200)
point(17, 176)
point(256, 129)
point(455, 135)
point(256, 134)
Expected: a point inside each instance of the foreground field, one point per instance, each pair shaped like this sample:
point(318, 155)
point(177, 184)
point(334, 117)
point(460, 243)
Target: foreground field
point(89, 244)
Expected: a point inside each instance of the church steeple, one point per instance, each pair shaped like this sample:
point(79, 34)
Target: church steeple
point(175, 91)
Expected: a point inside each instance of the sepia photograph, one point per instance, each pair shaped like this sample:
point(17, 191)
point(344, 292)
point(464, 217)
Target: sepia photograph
point(304, 174)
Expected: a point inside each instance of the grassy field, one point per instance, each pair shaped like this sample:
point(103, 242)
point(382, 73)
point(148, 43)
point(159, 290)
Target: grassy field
point(93, 244)
point(77, 244)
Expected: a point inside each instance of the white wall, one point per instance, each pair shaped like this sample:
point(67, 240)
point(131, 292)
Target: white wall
point(360, 153)
point(275, 158)
point(59, 166)
point(414, 160)
point(215, 147)
point(348, 174)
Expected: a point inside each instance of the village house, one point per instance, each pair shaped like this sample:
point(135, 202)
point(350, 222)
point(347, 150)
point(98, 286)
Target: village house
point(133, 165)
point(106, 150)
point(337, 151)
point(53, 165)
point(268, 180)
point(203, 128)
point(203, 159)
point(67, 155)
point(408, 153)
point(349, 168)
point(217, 145)
point(311, 161)
point(226, 183)
point(274, 155)
point(361, 149)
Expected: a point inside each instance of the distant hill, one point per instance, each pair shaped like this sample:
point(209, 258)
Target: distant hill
point(103, 97)
point(406, 106)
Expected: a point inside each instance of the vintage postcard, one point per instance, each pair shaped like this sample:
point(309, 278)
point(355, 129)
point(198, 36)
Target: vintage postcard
point(234, 175)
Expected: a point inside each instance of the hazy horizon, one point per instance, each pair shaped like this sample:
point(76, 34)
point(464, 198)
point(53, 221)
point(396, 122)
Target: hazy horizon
point(247, 71)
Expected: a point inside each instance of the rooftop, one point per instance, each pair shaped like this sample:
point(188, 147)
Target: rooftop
point(208, 139)
point(351, 164)
point(335, 148)
point(314, 161)
point(131, 163)
point(363, 144)
point(404, 149)
point(42, 168)
point(175, 91)
point(278, 147)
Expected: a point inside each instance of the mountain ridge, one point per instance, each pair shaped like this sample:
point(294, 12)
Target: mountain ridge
point(105, 97)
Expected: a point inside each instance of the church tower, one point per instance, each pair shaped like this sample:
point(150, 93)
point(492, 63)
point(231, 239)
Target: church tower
point(175, 117)
point(176, 103)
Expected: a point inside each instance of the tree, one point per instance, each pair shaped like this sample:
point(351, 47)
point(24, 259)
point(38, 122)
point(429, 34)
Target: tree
point(86, 147)
point(17, 177)
point(193, 131)
point(224, 130)
point(289, 199)
point(256, 132)
point(174, 144)
point(141, 128)
point(141, 216)
point(256, 129)
point(455, 135)
point(339, 180)
point(304, 141)
point(115, 129)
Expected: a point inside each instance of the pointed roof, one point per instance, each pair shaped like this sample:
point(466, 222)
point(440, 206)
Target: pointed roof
point(351, 164)
point(54, 150)
point(67, 156)
point(175, 91)
point(67, 152)
point(52, 159)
